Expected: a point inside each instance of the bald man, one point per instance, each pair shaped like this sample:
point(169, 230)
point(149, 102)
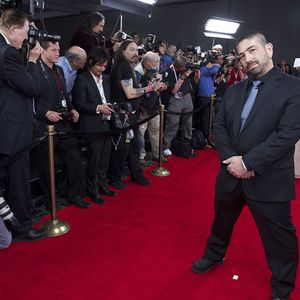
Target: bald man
point(150, 104)
point(74, 59)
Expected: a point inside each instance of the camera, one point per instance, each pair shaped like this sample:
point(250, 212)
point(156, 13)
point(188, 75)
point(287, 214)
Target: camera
point(120, 116)
point(36, 35)
point(192, 67)
point(122, 107)
point(150, 38)
point(141, 50)
point(122, 36)
point(4, 4)
point(64, 113)
point(8, 216)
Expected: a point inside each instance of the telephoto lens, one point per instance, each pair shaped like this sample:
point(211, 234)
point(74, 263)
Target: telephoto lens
point(8, 216)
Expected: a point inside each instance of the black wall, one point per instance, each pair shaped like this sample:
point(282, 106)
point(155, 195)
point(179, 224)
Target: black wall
point(278, 19)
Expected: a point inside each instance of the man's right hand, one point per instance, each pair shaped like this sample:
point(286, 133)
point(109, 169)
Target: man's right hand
point(105, 108)
point(53, 116)
point(35, 52)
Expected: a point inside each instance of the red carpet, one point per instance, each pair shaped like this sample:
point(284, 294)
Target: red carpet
point(140, 246)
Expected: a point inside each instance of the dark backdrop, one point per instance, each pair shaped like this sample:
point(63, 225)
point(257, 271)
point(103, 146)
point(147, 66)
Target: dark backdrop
point(185, 23)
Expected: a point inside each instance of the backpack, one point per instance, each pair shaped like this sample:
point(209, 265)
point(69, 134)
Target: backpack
point(198, 140)
point(182, 147)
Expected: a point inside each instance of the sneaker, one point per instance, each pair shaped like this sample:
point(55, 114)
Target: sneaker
point(167, 152)
point(204, 264)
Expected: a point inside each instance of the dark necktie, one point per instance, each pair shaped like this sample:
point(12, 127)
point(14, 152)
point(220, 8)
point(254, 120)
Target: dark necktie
point(249, 102)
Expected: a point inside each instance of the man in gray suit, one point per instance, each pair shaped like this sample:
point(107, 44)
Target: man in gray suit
point(255, 133)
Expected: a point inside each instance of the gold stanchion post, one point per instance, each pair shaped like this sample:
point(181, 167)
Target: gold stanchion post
point(53, 227)
point(160, 171)
point(211, 116)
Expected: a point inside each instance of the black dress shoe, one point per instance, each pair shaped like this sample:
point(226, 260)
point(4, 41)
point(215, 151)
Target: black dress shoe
point(276, 297)
point(32, 235)
point(203, 265)
point(79, 202)
point(118, 184)
point(142, 180)
point(97, 199)
point(106, 191)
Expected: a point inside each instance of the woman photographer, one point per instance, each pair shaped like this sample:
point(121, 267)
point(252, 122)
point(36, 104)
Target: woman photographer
point(91, 95)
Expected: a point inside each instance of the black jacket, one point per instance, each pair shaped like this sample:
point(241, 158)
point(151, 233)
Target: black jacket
point(18, 85)
point(49, 97)
point(86, 97)
point(267, 139)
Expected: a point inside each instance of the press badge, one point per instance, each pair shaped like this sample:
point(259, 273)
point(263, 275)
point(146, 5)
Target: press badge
point(64, 103)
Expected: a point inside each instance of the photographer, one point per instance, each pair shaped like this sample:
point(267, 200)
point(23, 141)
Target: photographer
point(73, 61)
point(160, 47)
point(89, 34)
point(91, 96)
point(53, 106)
point(205, 90)
point(125, 89)
point(150, 103)
point(18, 84)
point(237, 73)
point(179, 86)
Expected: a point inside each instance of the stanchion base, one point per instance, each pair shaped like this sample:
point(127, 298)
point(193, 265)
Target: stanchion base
point(56, 227)
point(160, 171)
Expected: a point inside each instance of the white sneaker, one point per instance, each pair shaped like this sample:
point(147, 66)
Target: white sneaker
point(167, 152)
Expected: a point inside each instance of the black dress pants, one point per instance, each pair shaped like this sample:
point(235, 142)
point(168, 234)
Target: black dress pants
point(17, 190)
point(123, 151)
point(277, 232)
point(98, 162)
point(202, 117)
point(67, 147)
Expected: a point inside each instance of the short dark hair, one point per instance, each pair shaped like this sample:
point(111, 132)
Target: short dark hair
point(249, 35)
point(46, 43)
point(13, 17)
point(92, 20)
point(97, 55)
point(159, 44)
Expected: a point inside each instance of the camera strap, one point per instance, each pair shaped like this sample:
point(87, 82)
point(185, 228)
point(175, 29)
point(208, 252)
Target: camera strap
point(58, 79)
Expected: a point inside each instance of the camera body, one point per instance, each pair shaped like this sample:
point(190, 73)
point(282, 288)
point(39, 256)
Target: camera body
point(120, 116)
point(36, 35)
point(64, 113)
point(122, 107)
point(122, 36)
point(192, 67)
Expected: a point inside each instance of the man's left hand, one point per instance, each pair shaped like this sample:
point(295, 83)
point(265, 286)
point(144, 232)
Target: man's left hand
point(75, 115)
point(235, 166)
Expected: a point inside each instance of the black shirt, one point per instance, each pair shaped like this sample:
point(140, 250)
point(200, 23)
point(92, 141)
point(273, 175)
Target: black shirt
point(170, 79)
point(123, 71)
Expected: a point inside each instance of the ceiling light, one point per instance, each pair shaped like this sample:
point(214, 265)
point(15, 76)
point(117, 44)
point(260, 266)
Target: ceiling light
point(218, 35)
point(222, 25)
point(151, 2)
